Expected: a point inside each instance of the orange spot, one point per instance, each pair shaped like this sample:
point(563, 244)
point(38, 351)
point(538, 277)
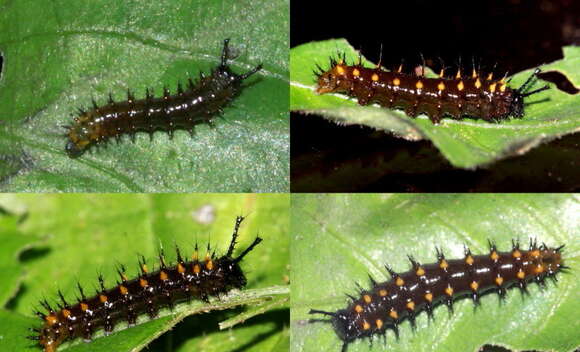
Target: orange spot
point(340, 70)
point(84, 307)
point(535, 253)
point(396, 82)
point(494, 256)
point(420, 272)
point(490, 77)
point(441, 86)
point(460, 86)
point(449, 291)
point(429, 297)
point(66, 313)
point(196, 269)
point(103, 298)
point(419, 85)
point(516, 254)
point(143, 283)
point(180, 268)
point(209, 265)
point(123, 290)
point(474, 74)
point(393, 314)
point(443, 264)
point(163, 276)
point(492, 87)
point(499, 280)
point(51, 319)
point(411, 305)
point(366, 325)
point(399, 281)
point(358, 308)
point(367, 298)
point(539, 269)
point(379, 323)
point(502, 88)
point(458, 75)
point(521, 275)
point(382, 292)
point(375, 77)
point(469, 260)
point(474, 285)
point(477, 83)
point(356, 72)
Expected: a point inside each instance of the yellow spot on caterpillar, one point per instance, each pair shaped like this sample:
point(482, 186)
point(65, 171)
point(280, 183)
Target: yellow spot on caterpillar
point(419, 85)
point(516, 254)
point(103, 298)
point(366, 325)
point(499, 280)
point(163, 276)
point(123, 290)
point(535, 253)
point(340, 70)
point(449, 291)
point(196, 269)
point(396, 81)
point(84, 307)
point(399, 281)
point(367, 298)
point(441, 86)
point(460, 86)
point(429, 297)
point(356, 72)
point(180, 268)
point(382, 292)
point(474, 285)
point(420, 272)
point(490, 76)
point(477, 83)
point(358, 308)
point(379, 323)
point(502, 88)
point(494, 256)
point(441, 74)
point(469, 260)
point(144, 268)
point(492, 87)
point(411, 305)
point(340, 62)
point(393, 314)
point(51, 319)
point(209, 265)
point(458, 75)
point(539, 269)
point(143, 283)
point(521, 275)
point(375, 77)
point(443, 264)
point(66, 313)
point(473, 74)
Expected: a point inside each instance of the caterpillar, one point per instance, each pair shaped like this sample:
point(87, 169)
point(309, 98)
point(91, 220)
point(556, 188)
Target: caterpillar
point(477, 96)
point(385, 305)
point(199, 103)
point(183, 281)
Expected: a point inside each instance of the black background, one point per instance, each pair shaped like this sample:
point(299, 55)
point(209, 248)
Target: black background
point(515, 35)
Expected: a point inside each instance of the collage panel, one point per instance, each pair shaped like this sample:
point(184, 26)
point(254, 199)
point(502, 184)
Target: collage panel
point(366, 268)
point(435, 97)
point(164, 96)
point(158, 293)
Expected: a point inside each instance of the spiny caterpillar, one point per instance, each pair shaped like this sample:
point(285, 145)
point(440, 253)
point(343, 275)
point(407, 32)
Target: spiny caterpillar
point(186, 280)
point(199, 103)
point(385, 305)
point(477, 96)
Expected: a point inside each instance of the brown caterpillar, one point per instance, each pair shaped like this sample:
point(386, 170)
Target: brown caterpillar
point(186, 280)
point(478, 96)
point(385, 305)
point(199, 103)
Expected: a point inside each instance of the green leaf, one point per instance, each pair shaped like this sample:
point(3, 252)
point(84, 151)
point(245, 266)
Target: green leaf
point(68, 54)
point(90, 234)
point(13, 243)
point(467, 143)
point(339, 240)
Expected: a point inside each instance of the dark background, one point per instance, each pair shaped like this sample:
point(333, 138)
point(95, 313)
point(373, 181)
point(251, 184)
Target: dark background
point(515, 35)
